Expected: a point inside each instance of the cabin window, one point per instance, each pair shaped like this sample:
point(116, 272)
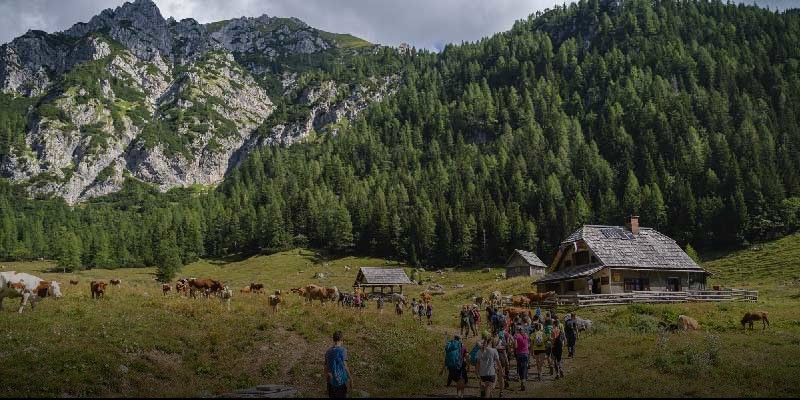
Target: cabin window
point(582, 258)
point(637, 284)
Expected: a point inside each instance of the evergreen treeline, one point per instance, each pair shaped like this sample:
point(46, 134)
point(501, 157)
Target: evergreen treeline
point(686, 113)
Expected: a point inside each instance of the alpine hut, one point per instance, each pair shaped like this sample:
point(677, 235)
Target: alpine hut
point(524, 263)
point(384, 278)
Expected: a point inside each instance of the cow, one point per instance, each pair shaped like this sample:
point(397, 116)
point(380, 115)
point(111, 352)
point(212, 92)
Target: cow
point(513, 312)
point(321, 293)
point(257, 287)
point(225, 295)
point(182, 286)
point(426, 297)
point(301, 291)
point(538, 298)
point(115, 282)
point(688, 323)
point(205, 286)
point(73, 281)
point(274, 300)
point(31, 288)
point(347, 268)
point(520, 301)
point(496, 297)
point(245, 289)
point(749, 317)
point(397, 297)
point(165, 288)
point(98, 289)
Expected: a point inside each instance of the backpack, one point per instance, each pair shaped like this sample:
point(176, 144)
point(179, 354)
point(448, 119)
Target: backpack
point(452, 357)
point(539, 338)
point(338, 372)
point(473, 355)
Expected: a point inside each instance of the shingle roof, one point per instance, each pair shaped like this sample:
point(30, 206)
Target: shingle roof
point(615, 246)
point(571, 273)
point(382, 276)
point(529, 257)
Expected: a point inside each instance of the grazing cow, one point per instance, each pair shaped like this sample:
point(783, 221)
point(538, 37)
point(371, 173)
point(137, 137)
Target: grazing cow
point(245, 289)
point(321, 293)
point(31, 288)
point(538, 298)
point(496, 297)
point(98, 289)
point(520, 301)
point(73, 281)
point(301, 292)
point(165, 288)
point(426, 297)
point(274, 300)
point(257, 287)
point(182, 286)
point(205, 286)
point(688, 323)
point(749, 317)
point(115, 282)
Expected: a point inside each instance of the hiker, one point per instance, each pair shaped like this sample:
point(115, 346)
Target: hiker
point(413, 308)
point(337, 374)
point(571, 330)
point(429, 312)
point(455, 360)
point(558, 347)
point(521, 354)
point(398, 308)
point(548, 333)
point(465, 321)
point(357, 301)
point(502, 349)
point(473, 323)
point(380, 304)
point(420, 311)
point(538, 341)
point(487, 366)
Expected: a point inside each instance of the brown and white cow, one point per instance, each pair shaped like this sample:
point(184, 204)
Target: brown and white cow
point(257, 287)
point(245, 289)
point(204, 286)
point(274, 300)
point(165, 288)
point(31, 288)
point(182, 286)
point(73, 282)
point(321, 293)
point(115, 282)
point(98, 289)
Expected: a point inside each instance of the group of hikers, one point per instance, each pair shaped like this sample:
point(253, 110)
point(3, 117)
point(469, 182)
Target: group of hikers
point(541, 338)
point(419, 309)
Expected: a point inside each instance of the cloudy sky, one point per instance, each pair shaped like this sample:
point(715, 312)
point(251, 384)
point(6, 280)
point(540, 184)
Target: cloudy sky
point(422, 23)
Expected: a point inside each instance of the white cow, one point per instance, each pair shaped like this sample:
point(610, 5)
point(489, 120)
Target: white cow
point(30, 288)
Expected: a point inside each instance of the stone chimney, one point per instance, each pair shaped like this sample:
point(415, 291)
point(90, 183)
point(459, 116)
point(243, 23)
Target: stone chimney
point(633, 224)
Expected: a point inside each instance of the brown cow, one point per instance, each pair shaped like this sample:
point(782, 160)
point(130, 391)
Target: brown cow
point(538, 298)
point(520, 301)
point(749, 317)
point(513, 312)
point(205, 286)
point(274, 300)
point(98, 289)
point(426, 297)
point(257, 287)
point(73, 281)
point(688, 323)
point(165, 288)
point(321, 293)
point(245, 289)
point(115, 282)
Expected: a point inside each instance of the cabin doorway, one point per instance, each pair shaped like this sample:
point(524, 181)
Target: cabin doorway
point(673, 284)
point(596, 286)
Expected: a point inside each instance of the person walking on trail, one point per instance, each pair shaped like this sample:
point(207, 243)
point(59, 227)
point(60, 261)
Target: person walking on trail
point(521, 354)
point(473, 323)
point(488, 366)
point(429, 312)
point(455, 361)
point(502, 350)
point(380, 305)
point(398, 308)
point(548, 352)
point(558, 340)
point(413, 308)
point(338, 378)
point(538, 341)
point(465, 321)
point(571, 330)
point(420, 311)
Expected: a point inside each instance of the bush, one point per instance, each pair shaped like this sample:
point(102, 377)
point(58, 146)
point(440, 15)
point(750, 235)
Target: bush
point(643, 323)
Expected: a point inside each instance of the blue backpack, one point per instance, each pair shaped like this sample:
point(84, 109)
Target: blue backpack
point(473, 355)
point(452, 357)
point(338, 372)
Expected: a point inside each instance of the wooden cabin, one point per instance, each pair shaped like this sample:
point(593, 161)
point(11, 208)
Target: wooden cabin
point(524, 263)
point(615, 259)
point(370, 279)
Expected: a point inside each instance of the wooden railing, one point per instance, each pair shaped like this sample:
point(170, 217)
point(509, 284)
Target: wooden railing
point(587, 300)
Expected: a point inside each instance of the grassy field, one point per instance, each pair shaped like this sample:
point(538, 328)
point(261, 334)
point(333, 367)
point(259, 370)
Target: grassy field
point(136, 342)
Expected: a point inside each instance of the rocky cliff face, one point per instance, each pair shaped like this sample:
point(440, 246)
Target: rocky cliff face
point(133, 95)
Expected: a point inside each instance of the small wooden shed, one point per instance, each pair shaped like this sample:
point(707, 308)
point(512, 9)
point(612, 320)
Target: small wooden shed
point(385, 279)
point(524, 263)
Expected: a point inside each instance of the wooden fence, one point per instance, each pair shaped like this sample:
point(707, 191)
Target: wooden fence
point(588, 300)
